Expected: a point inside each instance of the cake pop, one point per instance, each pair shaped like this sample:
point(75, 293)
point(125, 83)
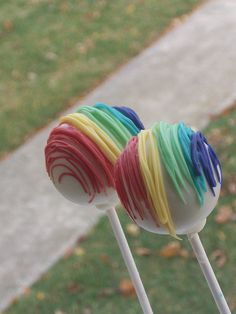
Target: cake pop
point(82, 150)
point(80, 156)
point(168, 179)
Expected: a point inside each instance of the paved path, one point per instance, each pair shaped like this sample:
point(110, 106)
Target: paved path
point(187, 75)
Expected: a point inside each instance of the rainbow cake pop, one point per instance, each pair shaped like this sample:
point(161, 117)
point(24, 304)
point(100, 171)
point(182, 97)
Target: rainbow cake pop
point(82, 150)
point(80, 156)
point(168, 179)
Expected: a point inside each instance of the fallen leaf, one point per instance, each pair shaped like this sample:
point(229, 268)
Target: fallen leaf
point(126, 288)
point(104, 258)
point(74, 287)
point(68, 253)
point(79, 251)
point(172, 249)
point(220, 257)
point(142, 251)
point(130, 9)
point(133, 230)
point(224, 214)
point(84, 237)
point(40, 296)
point(8, 25)
point(14, 301)
point(26, 291)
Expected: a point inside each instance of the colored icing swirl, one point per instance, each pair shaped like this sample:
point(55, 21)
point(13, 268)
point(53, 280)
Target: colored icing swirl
point(188, 160)
point(86, 146)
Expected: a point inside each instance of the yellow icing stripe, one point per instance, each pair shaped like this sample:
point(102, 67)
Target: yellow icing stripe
point(96, 134)
point(151, 171)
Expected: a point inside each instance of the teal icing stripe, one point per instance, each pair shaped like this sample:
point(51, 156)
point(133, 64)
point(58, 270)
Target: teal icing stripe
point(108, 124)
point(128, 123)
point(174, 144)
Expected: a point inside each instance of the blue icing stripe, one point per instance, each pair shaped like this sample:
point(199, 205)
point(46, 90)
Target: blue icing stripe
point(185, 136)
point(126, 121)
point(131, 114)
point(203, 160)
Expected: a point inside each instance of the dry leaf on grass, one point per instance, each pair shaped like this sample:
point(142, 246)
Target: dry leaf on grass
point(104, 258)
point(126, 288)
point(40, 296)
point(26, 291)
point(79, 251)
point(142, 251)
point(8, 25)
point(68, 253)
point(172, 249)
point(220, 257)
point(224, 214)
point(74, 287)
point(133, 230)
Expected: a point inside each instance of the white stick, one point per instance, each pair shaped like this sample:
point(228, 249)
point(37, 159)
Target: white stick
point(129, 261)
point(208, 273)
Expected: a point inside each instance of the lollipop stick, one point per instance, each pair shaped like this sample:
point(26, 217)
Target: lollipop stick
point(129, 261)
point(208, 273)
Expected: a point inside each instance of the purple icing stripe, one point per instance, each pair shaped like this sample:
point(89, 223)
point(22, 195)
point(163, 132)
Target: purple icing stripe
point(203, 159)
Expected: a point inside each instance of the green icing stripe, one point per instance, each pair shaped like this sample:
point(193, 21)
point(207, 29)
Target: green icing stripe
point(108, 124)
point(174, 146)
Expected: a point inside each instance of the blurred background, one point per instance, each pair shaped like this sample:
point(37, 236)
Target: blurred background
point(172, 60)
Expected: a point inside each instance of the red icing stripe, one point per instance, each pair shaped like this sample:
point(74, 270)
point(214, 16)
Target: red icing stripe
point(84, 160)
point(129, 183)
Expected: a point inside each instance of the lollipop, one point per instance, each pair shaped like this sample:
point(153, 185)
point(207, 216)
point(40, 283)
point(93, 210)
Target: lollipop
point(168, 179)
point(80, 156)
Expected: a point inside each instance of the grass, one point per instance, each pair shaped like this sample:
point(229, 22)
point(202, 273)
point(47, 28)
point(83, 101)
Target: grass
point(53, 52)
point(88, 279)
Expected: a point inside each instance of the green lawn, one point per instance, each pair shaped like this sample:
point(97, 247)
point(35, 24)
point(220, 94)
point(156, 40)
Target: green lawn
point(54, 51)
point(88, 279)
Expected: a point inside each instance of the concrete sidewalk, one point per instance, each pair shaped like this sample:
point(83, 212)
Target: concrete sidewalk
point(187, 75)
